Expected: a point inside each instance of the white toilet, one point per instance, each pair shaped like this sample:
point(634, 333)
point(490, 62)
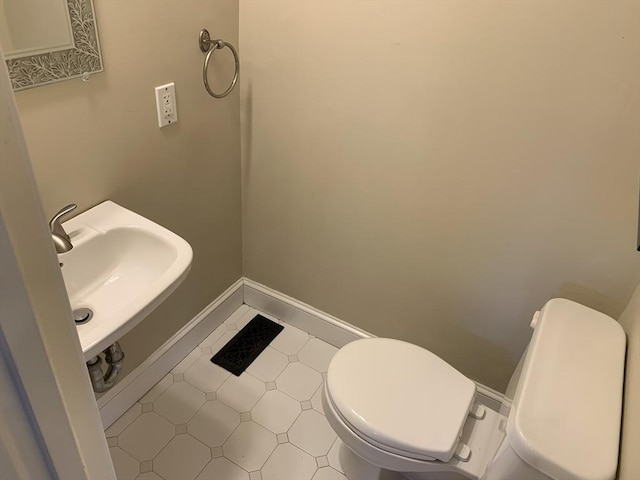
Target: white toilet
point(398, 407)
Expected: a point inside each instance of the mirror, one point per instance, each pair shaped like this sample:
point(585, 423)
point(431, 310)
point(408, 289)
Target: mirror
point(47, 41)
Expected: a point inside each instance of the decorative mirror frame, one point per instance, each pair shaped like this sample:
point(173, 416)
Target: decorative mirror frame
point(80, 61)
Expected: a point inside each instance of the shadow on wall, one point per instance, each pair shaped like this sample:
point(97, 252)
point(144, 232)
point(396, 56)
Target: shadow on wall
point(468, 348)
point(587, 296)
point(246, 119)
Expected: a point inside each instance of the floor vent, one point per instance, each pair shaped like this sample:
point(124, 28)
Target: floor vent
point(247, 344)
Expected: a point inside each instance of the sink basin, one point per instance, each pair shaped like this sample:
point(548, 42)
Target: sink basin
point(121, 267)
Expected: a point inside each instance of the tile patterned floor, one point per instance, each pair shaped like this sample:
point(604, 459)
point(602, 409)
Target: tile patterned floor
point(200, 422)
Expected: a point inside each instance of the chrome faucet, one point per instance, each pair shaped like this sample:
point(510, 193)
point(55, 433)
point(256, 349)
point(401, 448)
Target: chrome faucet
point(60, 238)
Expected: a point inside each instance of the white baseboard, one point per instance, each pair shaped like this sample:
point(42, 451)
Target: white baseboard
point(489, 397)
point(271, 302)
point(319, 324)
point(326, 327)
point(127, 392)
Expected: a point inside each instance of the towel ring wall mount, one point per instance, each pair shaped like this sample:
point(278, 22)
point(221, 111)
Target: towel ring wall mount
point(208, 46)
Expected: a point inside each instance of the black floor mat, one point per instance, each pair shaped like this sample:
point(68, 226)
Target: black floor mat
point(247, 344)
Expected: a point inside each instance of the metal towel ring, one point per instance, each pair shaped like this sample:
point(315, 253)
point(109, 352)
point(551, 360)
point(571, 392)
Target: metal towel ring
point(207, 45)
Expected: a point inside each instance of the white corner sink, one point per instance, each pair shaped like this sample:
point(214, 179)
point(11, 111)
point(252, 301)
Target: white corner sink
point(121, 267)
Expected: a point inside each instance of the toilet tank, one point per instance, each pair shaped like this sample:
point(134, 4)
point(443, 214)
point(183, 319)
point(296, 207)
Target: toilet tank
point(564, 423)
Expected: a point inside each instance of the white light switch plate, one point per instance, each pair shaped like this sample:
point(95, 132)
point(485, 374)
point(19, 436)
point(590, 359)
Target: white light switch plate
point(166, 104)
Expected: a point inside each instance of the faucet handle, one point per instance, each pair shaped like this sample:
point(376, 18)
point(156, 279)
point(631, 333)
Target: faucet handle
point(56, 225)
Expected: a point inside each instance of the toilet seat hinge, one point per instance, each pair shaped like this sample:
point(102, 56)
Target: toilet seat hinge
point(463, 452)
point(477, 411)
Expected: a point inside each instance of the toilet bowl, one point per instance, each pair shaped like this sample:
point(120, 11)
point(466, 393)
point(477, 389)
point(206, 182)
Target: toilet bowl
point(398, 407)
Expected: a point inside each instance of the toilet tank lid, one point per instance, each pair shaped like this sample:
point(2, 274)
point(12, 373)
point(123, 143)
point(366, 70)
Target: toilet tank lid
point(565, 420)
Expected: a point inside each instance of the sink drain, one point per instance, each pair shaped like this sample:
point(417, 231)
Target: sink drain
point(82, 315)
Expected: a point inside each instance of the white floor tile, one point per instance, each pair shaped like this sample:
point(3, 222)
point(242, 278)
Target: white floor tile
point(317, 354)
point(316, 400)
point(241, 393)
point(276, 411)
point(222, 341)
point(148, 476)
point(146, 436)
point(269, 364)
point(299, 381)
point(187, 361)
point(249, 446)
point(241, 311)
point(222, 469)
point(214, 336)
point(157, 389)
point(124, 421)
point(213, 423)
point(126, 467)
point(328, 473)
point(290, 340)
point(312, 432)
point(201, 421)
point(334, 456)
point(205, 375)
point(179, 402)
point(146, 466)
point(288, 462)
point(182, 459)
point(239, 322)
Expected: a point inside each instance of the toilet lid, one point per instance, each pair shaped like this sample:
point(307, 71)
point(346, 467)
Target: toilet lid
point(400, 396)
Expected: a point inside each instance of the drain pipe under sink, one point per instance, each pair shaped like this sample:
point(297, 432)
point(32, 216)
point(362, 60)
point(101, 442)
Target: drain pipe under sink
point(114, 356)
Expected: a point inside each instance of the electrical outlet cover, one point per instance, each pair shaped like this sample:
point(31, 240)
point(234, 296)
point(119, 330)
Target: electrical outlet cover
point(166, 104)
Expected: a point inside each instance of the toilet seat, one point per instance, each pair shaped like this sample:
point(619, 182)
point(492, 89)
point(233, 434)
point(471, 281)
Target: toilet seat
point(400, 397)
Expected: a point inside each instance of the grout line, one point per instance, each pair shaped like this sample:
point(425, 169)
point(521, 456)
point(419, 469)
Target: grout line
point(271, 454)
point(224, 456)
point(158, 474)
point(328, 460)
point(210, 459)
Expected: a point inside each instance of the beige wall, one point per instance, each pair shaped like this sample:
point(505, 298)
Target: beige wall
point(38, 339)
point(100, 140)
point(629, 459)
point(435, 171)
